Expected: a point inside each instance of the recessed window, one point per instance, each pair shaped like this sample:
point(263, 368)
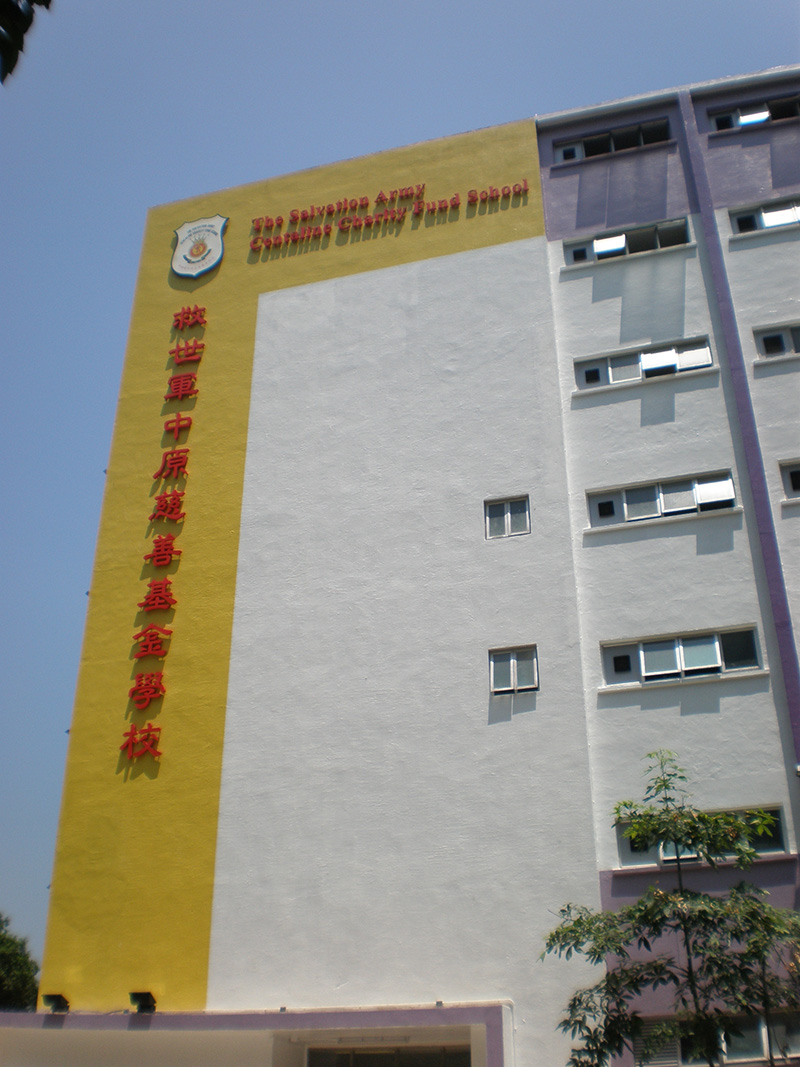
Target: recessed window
point(647, 363)
point(770, 841)
point(766, 218)
point(629, 242)
point(778, 340)
point(506, 518)
point(679, 496)
point(678, 658)
point(790, 475)
point(513, 670)
point(618, 140)
point(785, 107)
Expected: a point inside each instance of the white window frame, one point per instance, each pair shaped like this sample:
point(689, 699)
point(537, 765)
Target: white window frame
point(514, 686)
point(709, 492)
point(766, 217)
point(506, 503)
point(618, 242)
point(659, 361)
point(684, 670)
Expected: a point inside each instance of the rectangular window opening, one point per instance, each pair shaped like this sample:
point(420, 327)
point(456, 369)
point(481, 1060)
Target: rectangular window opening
point(513, 670)
point(507, 518)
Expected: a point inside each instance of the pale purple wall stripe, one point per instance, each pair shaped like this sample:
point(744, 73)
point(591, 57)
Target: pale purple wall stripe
point(747, 421)
point(488, 1015)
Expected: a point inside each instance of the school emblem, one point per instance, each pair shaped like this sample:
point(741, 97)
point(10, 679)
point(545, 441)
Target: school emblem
point(199, 246)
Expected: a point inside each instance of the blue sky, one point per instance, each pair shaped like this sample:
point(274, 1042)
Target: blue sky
point(116, 107)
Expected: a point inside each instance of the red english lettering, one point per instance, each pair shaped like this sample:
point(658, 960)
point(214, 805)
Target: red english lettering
point(257, 224)
point(255, 244)
point(353, 204)
point(472, 196)
point(328, 229)
point(517, 189)
point(364, 201)
point(344, 223)
point(421, 189)
point(294, 215)
point(443, 205)
point(506, 190)
point(279, 221)
point(381, 197)
point(455, 201)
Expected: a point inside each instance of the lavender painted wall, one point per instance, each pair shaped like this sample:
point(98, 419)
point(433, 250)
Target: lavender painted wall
point(625, 188)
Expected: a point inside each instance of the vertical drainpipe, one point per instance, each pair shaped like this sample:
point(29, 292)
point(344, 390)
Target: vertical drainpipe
point(776, 586)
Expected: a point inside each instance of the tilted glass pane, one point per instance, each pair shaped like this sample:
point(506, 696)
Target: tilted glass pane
point(518, 512)
point(609, 246)
point(714, 490)
point(641, 503)
point(665, 361)
point(497, 519)
point(739, 649)
point(694, 357)
point(753, 115)
point(660, 657)
point(526, 669)
point(501, 671)
point(677, 496)
point(779, 216)
point(700, 653)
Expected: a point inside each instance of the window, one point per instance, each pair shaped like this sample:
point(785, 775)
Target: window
point(617, 140)
point(512, 670)
point(770, 842)
point(785, 107)
point(646, 363)
point(767, 217)
point(790, 474)
point(681, 496)
point(748, 1045)
point(675, 659)
point(778, 341)
point(629, 242)
point(506, 518)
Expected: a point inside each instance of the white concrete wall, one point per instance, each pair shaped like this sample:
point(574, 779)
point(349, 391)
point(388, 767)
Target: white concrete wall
point(648, 579)
point(387, 836)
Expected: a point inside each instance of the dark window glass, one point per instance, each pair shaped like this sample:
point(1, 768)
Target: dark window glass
point(794, 479)
point(597, 146)
point(622, 664)
point(605, 509)
point(579, 255)
point(592, 375)
point(773, 344)
point(746, 223)
point(739, 649)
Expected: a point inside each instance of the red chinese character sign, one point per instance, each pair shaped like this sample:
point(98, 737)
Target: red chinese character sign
point(141, 740)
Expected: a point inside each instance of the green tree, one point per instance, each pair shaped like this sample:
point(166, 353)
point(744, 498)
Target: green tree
point(18, 971)
point(719, 956)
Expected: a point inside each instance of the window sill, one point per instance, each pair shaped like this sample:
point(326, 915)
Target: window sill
point(697, 679)
point(663, 520)
point(694, 865)
point(614, 386)
point(769, 361)
point(764, 231)
point(589, 264)
point(793, 502)
point(621, 153)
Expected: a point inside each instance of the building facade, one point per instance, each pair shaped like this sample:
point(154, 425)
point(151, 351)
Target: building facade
point(445, 484)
